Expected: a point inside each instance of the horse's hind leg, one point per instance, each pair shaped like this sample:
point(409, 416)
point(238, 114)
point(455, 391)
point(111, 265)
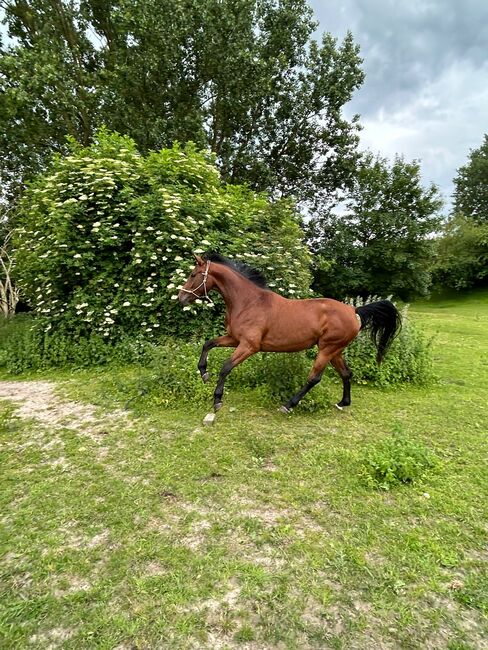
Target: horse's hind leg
point(321, 360)
point(220, 342)
point(345, 373)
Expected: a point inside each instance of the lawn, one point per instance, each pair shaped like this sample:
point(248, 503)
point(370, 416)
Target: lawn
point(147, 530)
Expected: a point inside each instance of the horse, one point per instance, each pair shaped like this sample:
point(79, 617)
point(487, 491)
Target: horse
point(260, 320)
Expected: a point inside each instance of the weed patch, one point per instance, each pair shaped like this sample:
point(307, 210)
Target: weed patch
point(395, 460)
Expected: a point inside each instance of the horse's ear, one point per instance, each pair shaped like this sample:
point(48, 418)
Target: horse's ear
point(198, 259)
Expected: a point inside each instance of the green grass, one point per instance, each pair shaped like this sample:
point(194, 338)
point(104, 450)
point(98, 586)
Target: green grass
point(259, 532)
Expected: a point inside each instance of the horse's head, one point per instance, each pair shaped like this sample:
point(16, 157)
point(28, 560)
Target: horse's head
point(198, 284)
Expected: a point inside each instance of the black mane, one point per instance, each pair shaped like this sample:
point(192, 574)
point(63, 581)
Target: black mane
point(244, 269)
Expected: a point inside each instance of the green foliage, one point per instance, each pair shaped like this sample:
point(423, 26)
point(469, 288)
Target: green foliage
point(24, 346)
point(462, 254)
point(396, 460)
point(105, 239)
point(409, 360)
point(171, 377)
point(380, 245)
point(243, 77)
point(471, 185)
point(462, 250)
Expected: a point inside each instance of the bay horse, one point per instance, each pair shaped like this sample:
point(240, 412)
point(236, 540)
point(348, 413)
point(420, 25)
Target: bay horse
point(260, 320)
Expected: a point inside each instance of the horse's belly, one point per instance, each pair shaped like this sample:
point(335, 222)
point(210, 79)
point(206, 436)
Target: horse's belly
point(291, 344)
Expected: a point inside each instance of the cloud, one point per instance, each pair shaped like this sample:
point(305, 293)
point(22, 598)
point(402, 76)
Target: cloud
point(426, 63)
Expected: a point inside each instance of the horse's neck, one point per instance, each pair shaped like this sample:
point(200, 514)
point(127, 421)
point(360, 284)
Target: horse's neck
point(236, 290)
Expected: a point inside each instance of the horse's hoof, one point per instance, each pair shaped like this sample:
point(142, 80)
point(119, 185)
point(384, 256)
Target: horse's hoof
point(338, 406)
point(218, 406)
point(205, 377)
point(283, 409)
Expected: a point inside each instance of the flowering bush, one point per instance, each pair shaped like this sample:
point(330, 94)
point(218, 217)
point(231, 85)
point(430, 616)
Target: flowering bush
point(104, 240)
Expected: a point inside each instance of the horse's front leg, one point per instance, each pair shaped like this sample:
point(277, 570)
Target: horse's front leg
point(220, 342)
point(243, 351)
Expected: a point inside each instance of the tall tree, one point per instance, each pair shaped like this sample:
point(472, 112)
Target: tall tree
point(242, 77)
point(380, 244)
point(471, 185)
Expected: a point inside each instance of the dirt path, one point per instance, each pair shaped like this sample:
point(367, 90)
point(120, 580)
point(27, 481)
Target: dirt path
point(38, 400)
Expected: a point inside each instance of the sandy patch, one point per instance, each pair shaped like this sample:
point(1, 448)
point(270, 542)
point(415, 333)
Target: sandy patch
point(38, 400)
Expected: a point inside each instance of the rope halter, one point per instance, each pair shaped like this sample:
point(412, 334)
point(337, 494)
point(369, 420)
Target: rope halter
point(203, 284)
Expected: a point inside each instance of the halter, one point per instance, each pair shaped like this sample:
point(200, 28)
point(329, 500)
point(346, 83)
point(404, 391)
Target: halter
point(203, 284)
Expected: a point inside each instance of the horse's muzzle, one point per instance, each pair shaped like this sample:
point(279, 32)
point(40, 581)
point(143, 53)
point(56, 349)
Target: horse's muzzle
point(184, 298)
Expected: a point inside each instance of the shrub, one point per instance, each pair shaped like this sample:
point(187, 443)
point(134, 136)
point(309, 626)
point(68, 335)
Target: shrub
point(24, 346)
point(409, 360)
point(104, 240)
point(172, 377)
point(395, 460)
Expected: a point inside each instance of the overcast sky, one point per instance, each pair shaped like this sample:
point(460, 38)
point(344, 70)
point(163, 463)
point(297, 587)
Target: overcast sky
point(426, 89)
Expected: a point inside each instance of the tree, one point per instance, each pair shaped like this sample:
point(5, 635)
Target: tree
point(380, 244)
point(241, 77)
point(105, 238)
point(9, 293)
point(471, 185)
point(462, 253)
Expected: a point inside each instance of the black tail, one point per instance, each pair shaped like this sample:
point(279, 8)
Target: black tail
point(384, 322)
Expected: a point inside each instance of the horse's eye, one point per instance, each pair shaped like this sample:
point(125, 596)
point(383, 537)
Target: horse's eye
point(192, 275)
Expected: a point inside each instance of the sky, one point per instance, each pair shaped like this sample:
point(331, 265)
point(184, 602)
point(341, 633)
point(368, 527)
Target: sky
point(425, 94)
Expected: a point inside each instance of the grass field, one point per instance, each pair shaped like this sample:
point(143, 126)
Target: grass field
point(148, 530)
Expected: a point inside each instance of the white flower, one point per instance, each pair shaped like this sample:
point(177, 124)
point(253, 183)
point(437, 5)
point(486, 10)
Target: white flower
point(171, 286)
point(175, 297)
point(126, 304)
point(178, 258)
point(149, 290)
point(206, 242)
point(138, 260)
point(77, 256)
point(97, 224)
